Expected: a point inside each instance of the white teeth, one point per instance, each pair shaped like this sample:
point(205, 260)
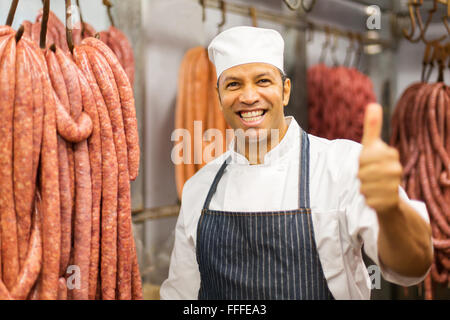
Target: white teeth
point(252, 119)
point(251, 114)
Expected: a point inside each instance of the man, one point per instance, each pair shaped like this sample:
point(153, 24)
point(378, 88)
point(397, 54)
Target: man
point(289, 222)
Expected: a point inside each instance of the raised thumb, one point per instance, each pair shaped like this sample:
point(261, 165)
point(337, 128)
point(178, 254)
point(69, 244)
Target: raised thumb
point(373, 122)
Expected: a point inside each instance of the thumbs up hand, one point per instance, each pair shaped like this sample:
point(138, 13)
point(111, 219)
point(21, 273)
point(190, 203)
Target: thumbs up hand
point(380, 171)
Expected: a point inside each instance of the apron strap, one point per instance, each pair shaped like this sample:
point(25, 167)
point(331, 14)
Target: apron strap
point(217, 178)
point(304, 171)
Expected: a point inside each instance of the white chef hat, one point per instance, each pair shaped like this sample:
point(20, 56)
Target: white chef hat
point(240, 45)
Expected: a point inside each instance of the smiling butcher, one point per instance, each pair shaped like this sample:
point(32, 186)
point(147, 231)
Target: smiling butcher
point(284, 214)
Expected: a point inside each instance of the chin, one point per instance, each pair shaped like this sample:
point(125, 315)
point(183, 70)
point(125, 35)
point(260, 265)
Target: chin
point(252, 135)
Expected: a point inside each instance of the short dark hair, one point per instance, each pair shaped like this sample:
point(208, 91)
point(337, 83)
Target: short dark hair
point(283, 77)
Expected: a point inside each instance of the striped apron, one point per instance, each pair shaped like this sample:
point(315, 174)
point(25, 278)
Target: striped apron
point(260, 255)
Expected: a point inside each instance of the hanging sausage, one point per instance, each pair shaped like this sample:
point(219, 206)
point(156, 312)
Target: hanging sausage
point(74, 113)
point(420, 131)
point(197, 111)
point(337, 97)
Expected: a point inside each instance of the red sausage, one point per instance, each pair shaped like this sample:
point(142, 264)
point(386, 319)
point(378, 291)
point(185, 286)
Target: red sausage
point(83, 209)
point(23, 150)
point(127, 104)
point(95, 156)
point(108, 263)
point(105, 80)
point(51, 225)
point(9, 249)
point(32, 265)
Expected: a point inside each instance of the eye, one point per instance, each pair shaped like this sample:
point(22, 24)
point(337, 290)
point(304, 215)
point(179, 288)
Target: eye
point(232, 84)
point(264, 81)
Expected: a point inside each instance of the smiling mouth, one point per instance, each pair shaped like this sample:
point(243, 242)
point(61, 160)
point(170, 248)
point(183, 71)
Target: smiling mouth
point(252, 116)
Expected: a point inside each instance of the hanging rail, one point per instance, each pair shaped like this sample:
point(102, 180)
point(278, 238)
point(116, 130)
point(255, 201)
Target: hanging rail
point(296, 22)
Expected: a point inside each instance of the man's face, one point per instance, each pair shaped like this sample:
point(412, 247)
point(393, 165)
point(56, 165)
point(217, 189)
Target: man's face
point(252, 96)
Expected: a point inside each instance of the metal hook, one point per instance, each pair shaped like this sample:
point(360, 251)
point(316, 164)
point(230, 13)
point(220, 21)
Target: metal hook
point(252, 12)
point(202, 3)
point(411, 4)
point(334, 47)
point(224, 16)
point(358, 53)
point(310, 29)
point(431, 61)
point(444, 20)
point(423, 29)
point(69, 26)
point(12, 12)
point(311, 5)
point(350, 48)
point(109, 5)
point(325, 45)
point(83, 28)
point(292, 6)
point(425, 61)
point(44, 24)
point(441, 56)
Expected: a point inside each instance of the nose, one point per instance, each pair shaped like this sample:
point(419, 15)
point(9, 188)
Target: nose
point(249, 95)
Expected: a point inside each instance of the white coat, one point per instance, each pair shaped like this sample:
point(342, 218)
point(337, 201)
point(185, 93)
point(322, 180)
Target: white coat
point(342, 221)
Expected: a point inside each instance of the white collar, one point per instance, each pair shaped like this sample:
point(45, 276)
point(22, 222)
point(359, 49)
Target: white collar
point(290, 140)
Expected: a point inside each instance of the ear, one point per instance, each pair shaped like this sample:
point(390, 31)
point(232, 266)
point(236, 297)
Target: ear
point(286, 91)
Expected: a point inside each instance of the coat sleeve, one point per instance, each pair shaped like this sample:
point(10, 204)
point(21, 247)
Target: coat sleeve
point(183, 282)
point(362, 222)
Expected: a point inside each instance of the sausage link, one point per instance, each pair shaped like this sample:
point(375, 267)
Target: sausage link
point(23, 150)
point(4, 42)
point(440, 118)
point(189, 166)
point(83, 209)
point(32, 265)
point(108, 262)
point(435, 190)
point(127, 104)
point(127, 52)
point(36, 56)
point(114, 44)
point(428, 287)
point(436, 140)
point(59, 85)
point(83, 198)
point(62, 289)
point(69, 74)
point(34, 294)
point(431, 204)
point(4, 293)
point(95, 157)
point(6, 30)
point(66, 206)
point(201, 78)
point(9, 249)
point(27, 25)
point(51, 223)
point(69, 129)
point(105, 80)
point(179, 116)
point(136, 282)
